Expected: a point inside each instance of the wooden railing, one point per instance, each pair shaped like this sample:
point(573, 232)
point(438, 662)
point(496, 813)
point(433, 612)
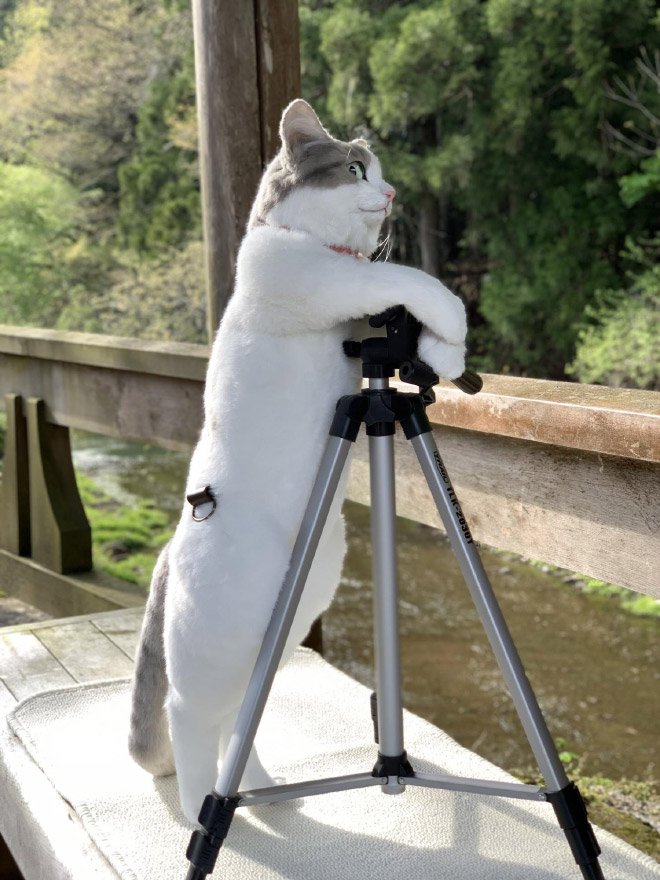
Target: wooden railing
point(568, 474)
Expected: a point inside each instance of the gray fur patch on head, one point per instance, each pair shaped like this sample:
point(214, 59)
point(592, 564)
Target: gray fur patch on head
point(309, 156)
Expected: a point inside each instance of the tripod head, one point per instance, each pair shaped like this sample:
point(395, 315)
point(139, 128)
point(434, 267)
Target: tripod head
point(382, 355)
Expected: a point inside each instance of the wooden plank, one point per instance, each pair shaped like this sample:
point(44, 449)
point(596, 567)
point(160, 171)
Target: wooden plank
point(594, 514)
point(140, 406)
point(14, 488)
point(85, 652)
point(123, 630)
point(61, 537)
point(614, 421)
point(181, 360)
point(95, 618)
point(167, 411)
point(229, 136)
point(28, 667)
point(63, 595)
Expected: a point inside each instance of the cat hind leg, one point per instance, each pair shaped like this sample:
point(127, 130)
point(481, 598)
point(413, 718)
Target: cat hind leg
point(195, 737)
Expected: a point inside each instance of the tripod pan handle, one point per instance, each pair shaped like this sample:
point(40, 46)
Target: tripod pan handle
point(469, 382)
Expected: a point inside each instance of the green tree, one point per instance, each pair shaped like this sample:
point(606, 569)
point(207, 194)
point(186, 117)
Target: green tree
point(490, 119)
point(76, 76)
point(40, 253)
point(621, 344)
point(158, 298)
point(159, 186)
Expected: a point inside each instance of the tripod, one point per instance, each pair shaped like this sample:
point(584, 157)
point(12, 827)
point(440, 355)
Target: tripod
point(380, 407)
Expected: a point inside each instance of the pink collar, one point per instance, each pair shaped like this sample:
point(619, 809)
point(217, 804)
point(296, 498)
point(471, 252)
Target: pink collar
point(340, 249)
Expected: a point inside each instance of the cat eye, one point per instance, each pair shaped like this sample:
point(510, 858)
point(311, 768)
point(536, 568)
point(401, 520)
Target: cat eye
point(357, 168)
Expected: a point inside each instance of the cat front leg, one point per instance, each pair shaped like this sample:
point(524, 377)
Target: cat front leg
point(289, 283)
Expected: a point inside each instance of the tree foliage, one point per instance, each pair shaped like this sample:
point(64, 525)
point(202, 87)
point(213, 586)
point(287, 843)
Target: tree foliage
point(522, 138)
point(76, 75)
point(159, 185)
point(39, 259)
point(158, 298)
point(622, 346)
point(94, 113)
point(490, 119)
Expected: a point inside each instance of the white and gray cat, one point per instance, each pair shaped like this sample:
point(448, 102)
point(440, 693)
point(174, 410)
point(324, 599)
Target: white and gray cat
point(276, 370)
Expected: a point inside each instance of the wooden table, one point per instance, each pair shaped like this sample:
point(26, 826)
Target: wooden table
point(40, 829)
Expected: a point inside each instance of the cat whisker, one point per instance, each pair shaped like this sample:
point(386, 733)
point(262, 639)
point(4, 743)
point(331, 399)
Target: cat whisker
point(384, 246)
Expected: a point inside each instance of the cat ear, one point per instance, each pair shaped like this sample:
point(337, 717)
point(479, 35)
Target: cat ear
point(361, 143)
point(300, 125)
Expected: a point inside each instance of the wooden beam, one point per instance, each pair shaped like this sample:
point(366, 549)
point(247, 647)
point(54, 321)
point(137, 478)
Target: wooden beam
point(117, 403)
point(611, 421)
point(278, 67)
point(229, 137)
point(181, 360)
point(592, 514)
point(564, 473)
point(614, 421)
point(14, 489)
point(247, 69)
point(61, 537)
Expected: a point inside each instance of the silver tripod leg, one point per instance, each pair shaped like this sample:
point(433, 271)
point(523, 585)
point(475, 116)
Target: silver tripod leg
point(272, 648)
point(489, 612)
point(385, 597)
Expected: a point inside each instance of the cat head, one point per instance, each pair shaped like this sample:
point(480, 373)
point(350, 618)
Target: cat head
point(318, 184)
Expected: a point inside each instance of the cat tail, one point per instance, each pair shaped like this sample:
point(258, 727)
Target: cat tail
point(149, 741)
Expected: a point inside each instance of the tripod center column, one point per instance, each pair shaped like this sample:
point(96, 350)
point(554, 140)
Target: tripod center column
point(385, 597)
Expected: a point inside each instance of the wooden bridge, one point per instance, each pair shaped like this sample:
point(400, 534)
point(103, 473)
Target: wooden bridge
point(563, 473)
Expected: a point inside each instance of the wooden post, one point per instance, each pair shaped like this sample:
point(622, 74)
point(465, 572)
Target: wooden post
point(247, 68)
point(15, 493)
point(278, 67)
point(61, 535)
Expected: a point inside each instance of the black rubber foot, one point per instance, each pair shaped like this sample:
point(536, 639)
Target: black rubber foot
point(592, 871)
point(571, 813)
point(215, 818)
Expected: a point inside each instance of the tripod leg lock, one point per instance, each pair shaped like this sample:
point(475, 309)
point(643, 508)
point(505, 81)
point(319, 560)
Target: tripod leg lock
point(215, 818)
point(393, 765)
point(572, 816)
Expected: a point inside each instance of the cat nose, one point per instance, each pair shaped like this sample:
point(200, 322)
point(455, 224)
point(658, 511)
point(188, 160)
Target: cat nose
point(389, 194)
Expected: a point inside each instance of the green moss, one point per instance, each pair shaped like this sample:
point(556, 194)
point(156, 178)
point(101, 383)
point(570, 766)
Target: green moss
point(125, 541)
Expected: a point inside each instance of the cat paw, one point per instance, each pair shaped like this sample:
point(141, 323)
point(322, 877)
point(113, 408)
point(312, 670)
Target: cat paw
point(453, 324)
point(447, 360)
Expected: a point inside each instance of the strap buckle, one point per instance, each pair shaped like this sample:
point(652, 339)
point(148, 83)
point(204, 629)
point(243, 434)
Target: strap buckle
point(198, 499)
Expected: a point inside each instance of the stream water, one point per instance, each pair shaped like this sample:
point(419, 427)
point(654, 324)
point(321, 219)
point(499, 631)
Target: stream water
point(595, 668)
